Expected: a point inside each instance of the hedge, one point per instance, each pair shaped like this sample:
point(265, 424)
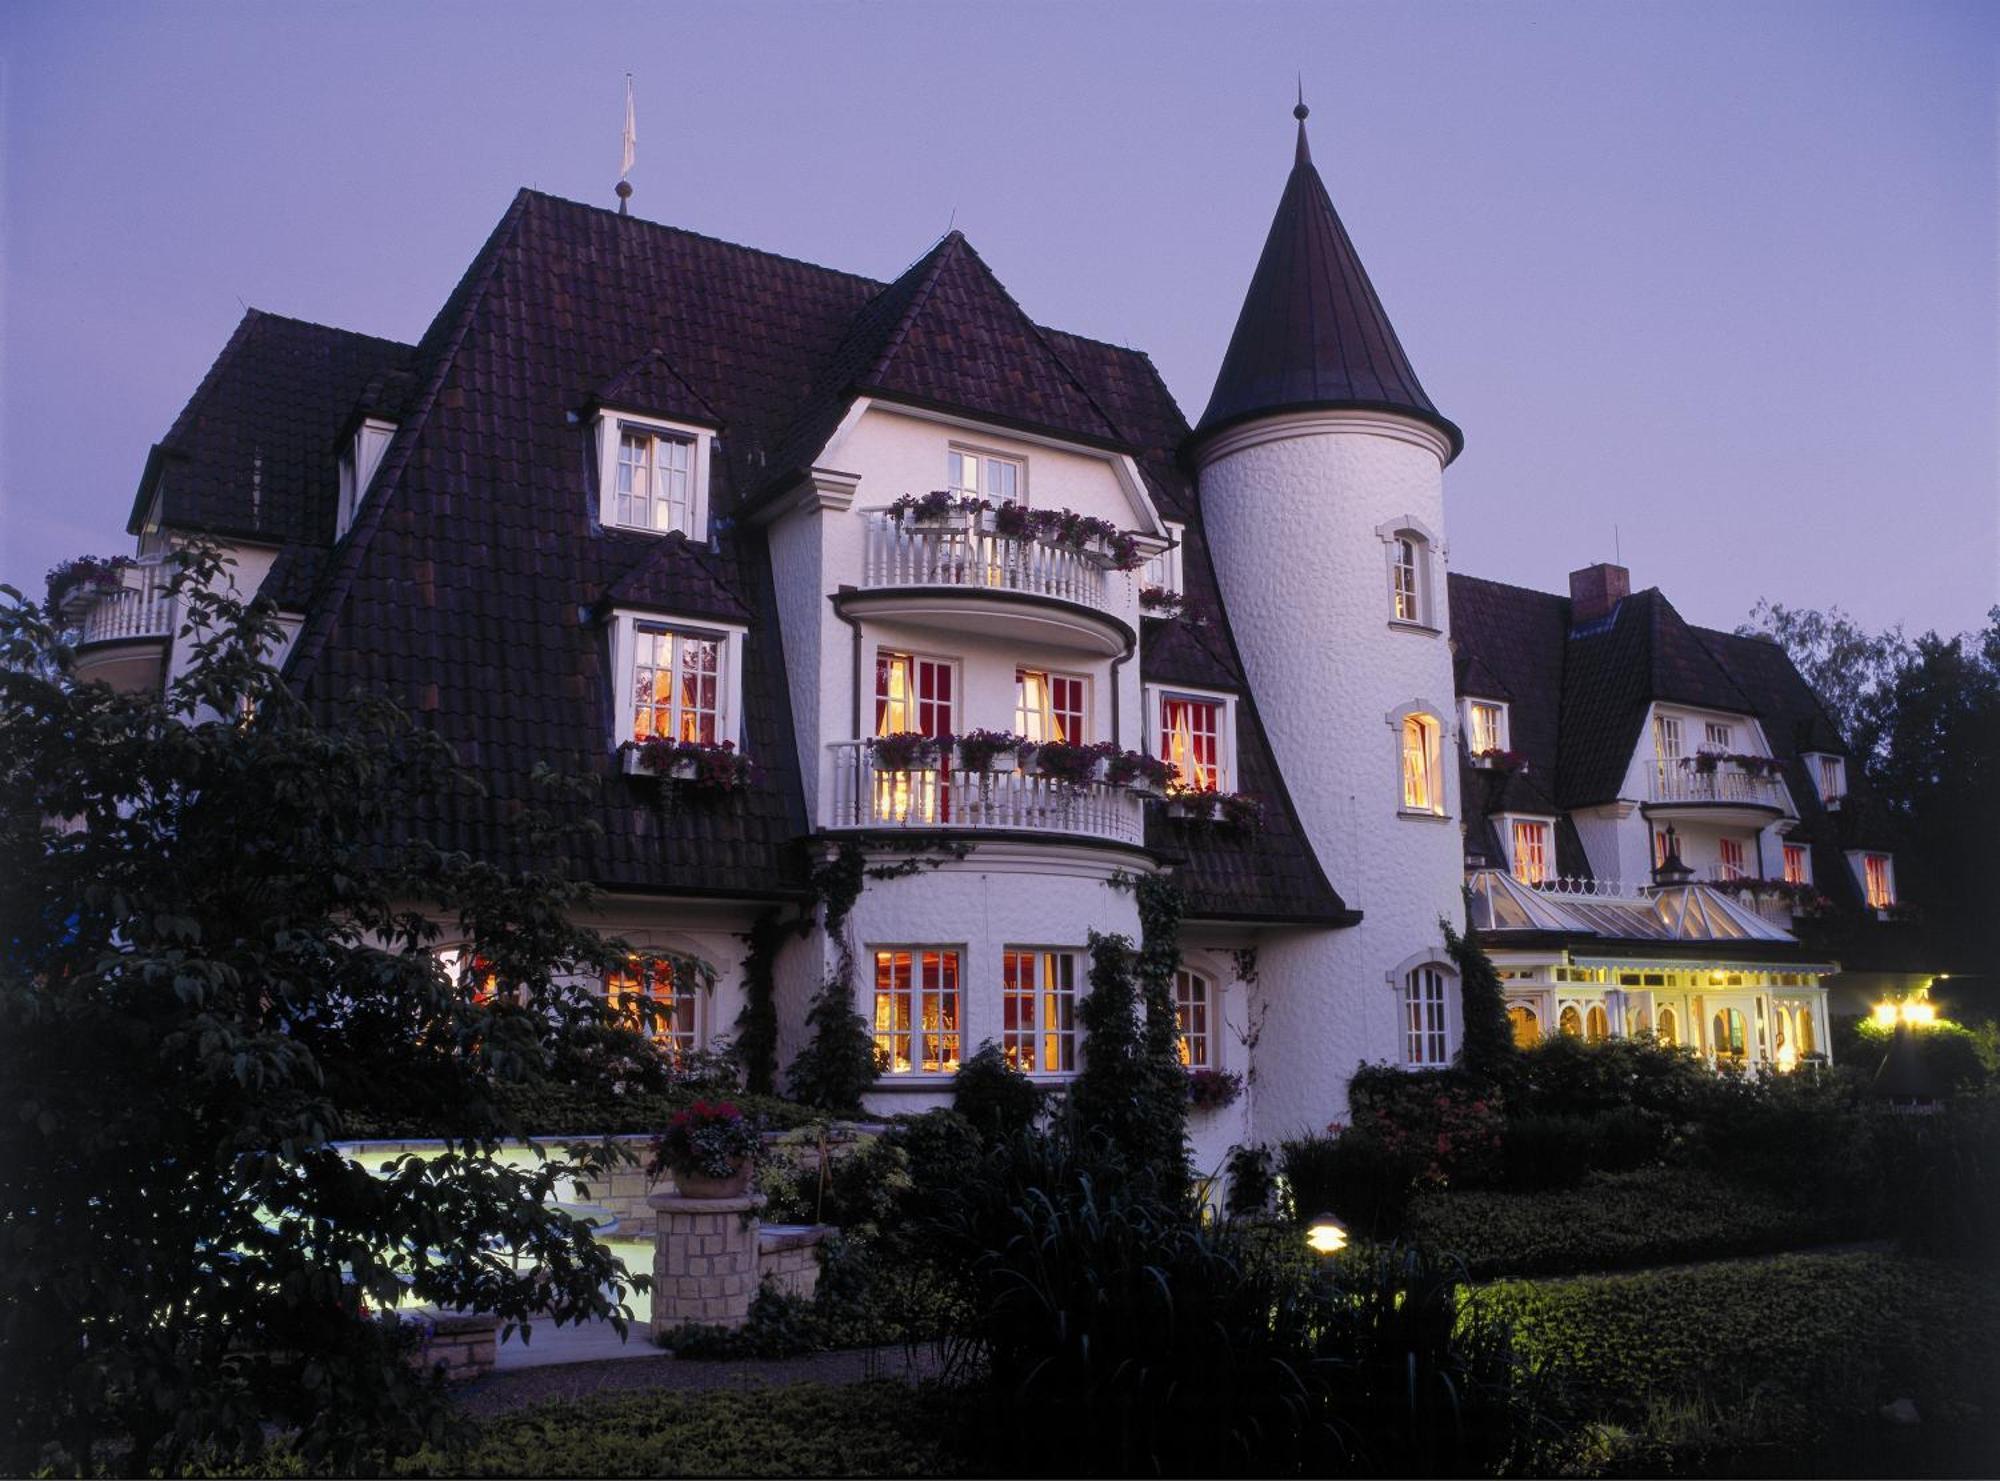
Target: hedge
point(1617, 1221)
point(583, 1110)
point(1816, 1340)
point(878, 1428)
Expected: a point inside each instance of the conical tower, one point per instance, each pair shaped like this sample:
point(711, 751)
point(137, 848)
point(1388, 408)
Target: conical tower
point(1321, 462)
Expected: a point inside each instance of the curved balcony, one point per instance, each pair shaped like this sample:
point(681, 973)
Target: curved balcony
point(1727, 794)
point(959, 575)
point(122, 630)
point(952, 799)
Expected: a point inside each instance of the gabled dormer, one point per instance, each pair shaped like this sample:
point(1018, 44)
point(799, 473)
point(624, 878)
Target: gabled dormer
point(360, 455)
point(654, 439)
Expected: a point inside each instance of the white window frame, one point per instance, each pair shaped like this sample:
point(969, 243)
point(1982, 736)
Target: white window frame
point(1503, 732)
point(1784, 863)
point(1426, 552)
point(625, 625)
point(1205, 992)
point(1440, 774)
point(611, 426)
point(1427, 1043)
point(1086, 726)
point(1166, 570)
point(1043, 994)
point(1508, 822)
point(983, 486)
point(916, 951)
point(1225, 740)
point(1719, 735)
point(1858, 861)
point(644, 967)
point(1724, 869)
point(358, 462)
point(1819, 763)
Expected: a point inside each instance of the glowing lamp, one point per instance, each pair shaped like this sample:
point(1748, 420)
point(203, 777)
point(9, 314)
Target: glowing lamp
point(1919, 1013)
point(1326, 1235)
point(1885, 1014)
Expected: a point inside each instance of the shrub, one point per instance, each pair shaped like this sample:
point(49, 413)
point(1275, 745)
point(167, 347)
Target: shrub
point(1942, 1177)
point(994, 1097)
point(1567, 1076)
point(1956, 1057)
point(1252, 1186)
point(1542, 1151)
point(1447, 1121)
point(1354, 1175)
point(563, 1110)
point(1650, 1216)
point(839, 1063)
point(1488, 1048)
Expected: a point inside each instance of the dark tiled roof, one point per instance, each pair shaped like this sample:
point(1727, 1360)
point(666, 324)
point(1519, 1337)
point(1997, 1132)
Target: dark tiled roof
point(651, 386)
point(475, 579)
point(1513, 639)
point(252, 454)
point(1312, 332)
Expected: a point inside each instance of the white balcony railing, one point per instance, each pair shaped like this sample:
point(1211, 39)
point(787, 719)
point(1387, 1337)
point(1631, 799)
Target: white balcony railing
point(969, 554)
point(864, 797)
point(139, 608)
point(1725, 786)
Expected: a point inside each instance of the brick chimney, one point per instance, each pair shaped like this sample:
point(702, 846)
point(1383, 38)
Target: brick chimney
point(1595, 590)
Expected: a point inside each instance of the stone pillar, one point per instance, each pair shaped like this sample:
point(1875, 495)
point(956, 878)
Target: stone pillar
point(704, 1259)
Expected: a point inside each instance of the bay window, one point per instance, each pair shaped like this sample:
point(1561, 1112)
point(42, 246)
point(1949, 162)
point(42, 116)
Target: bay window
point(916, 1009)
point(1038, 1010)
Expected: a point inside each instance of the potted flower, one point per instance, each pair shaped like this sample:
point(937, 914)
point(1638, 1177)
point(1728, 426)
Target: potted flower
point(1194, 805)
point(710, 1148)
point(1497, 758)
point(1240, 811)
point(705, 767)
point(1071, 766)
point(907, 750)
point(938, 509)
point(1702, 763)
point(1213, 1090)
point(1157, 601)
point(85, 576)
point(1147, 775)
point(990, 750)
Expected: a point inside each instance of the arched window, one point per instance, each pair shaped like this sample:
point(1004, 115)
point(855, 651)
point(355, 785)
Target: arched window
point(658, 1001)
point(1527, 1027)
point(1596, 1024)
point(1406, 578)
point(1640, 1022)
point(1728, 1037)
point(1423, 789)
point(1424, 1037)
point(1806, 1044)
point(1570, 1022)
point(1669, 1031)
point(1194, 1000)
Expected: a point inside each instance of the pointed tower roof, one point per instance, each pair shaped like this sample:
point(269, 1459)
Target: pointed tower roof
point(1312, 334)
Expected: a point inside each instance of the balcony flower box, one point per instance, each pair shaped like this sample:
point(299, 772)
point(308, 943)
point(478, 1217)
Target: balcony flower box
point(692, 764)
point(1494, 758)
point(940, 509)
point(1147, 775)
point(991, 750)
point(907, 750)
point(1068, 765)
point(1157, 601)
point(76, 583)
point(1237, 811)
point(1213, 1090)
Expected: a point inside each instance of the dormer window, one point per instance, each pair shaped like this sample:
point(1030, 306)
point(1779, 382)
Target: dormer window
point(1829, 774)
point(1164, 570)
point(678, 680)
point(653, 476)
point(358, 462)
point(1197, 733)
point(1486, 726)
point(986, 475)
point(1531, 850)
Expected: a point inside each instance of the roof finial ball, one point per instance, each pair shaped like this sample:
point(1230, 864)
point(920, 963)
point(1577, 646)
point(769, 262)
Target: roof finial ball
point(624, 189)
point(1304, 155)
point(1301, 111)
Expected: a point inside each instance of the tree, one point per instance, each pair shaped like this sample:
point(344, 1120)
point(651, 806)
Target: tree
point(217, 928)
point(1125, 1091)
point(1488, 1049)
point(1848, 668)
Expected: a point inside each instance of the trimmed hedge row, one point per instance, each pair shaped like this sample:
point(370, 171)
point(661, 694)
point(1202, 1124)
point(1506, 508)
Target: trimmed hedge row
point(582, 1110)
point(1618, 1221)
point(869, 1429)
point(1817, 1339)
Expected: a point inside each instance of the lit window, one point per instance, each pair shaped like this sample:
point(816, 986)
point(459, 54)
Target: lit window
point(1730, 852)
point(1192, 1006)
point(1669, 1030)
point(1409, 554)
point(1038, 1011)
point(916, 1010)
point(1489, 732)
point(1191, 738)
point(1570, 1023)
point(1880, 881)
point(1421, 790)
point(657, 1002)
point(1718, 737)
point(1527, 1027)
point(1423, 1017)
point(1832, 778)
point(1531, 852)
point(677, 686)
point(1667, 740)
point(655, 482)
point(1164, 569)
point(913, 695)
point(1596, 1024)
point(1797, 870)
point(1662, 847)
point(471, 973)
point(1049, 706)
point(998, 479)
point(1727, 1036)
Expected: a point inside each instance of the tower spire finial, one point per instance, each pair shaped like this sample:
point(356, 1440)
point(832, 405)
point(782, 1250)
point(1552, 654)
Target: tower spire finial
point(1304, 155)
point(624, 186)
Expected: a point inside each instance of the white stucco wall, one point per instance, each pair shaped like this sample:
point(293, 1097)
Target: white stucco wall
point(1295, 509)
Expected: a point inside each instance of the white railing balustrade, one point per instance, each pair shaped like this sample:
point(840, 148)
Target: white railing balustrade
point(138, 608)
point(1726, 784)
point(970, 554)
point(1590, 889)
point(948, 797)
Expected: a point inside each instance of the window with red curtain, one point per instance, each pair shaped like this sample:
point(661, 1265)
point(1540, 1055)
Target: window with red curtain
point(1191, 738)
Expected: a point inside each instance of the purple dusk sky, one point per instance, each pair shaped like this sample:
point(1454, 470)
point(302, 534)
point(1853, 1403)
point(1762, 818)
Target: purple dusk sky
point(1719, 277)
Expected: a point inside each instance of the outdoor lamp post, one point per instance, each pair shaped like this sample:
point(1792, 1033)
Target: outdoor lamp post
point(1326, 1235)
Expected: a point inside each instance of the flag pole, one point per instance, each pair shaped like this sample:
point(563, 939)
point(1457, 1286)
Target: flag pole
point(630, 151)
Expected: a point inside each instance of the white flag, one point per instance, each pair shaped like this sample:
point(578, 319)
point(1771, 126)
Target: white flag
point(631, 130)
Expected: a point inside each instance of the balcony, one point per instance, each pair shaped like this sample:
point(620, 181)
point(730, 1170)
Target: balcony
point(978, 801)
point(1727, 794)
point(959, 574)
point(122, 629)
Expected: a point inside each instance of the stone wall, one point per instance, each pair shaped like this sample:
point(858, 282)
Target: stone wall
point(461, 1343)
point(788, 1257)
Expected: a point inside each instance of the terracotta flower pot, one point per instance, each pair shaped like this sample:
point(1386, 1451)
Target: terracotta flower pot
point(694, 1185)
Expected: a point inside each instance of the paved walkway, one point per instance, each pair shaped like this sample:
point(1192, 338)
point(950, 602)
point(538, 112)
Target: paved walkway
point(642, 1366)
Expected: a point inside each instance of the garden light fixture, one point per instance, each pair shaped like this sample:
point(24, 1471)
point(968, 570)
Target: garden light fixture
point(1326, 1235)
